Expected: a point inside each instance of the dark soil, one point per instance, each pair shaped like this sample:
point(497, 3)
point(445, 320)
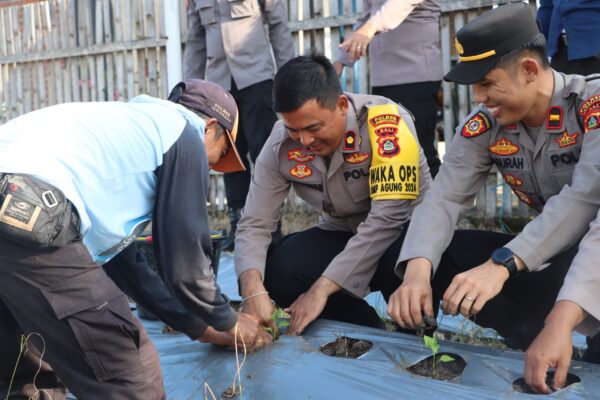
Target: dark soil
point(520, 386)
point(444, 371)
point(346, 347)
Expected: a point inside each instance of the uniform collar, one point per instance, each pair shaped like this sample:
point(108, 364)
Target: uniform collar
point(555, 118)
point(350, 141)
point(554, 114)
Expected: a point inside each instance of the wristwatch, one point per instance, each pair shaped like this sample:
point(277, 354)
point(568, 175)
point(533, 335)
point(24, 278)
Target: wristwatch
point(504, 256)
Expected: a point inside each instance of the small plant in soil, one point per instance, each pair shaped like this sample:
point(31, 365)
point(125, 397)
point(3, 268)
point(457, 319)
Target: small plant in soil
point(282, 320)
point(434, 346)
point(440, 366)
point(346, 347)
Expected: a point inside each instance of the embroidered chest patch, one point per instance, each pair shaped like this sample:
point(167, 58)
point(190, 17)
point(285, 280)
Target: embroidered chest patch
point(525, 198)
point(477, 125)
point(504, 147)
point(301, 171)
point(356, 158)
point(298, 155)
point(512, 180)
point(567, 140)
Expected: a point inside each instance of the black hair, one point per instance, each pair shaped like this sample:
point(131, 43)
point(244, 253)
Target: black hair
point(305, 78)
point(535, 47)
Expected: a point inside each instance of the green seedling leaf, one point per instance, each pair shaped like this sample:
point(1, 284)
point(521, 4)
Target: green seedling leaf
point(446, 358)
point(429, 341)
point(432, 343)
point(283, 324)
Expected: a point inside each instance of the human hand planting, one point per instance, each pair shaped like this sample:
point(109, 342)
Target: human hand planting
point(553, 347)
point(470, 290)
point(256, 300)
point(309, 305)
point(211, 335)
point(413, 299)
point(249, 332)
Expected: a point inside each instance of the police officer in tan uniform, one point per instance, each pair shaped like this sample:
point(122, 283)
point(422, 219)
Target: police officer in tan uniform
point(538, 127)
point(405, 57)
point(233, 44)
point(354, 157)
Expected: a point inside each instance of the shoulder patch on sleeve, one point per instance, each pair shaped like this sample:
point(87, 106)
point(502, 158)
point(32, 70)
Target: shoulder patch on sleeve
point(394, 171)
point(478, 125)
point(591, 120)
point(592, 103)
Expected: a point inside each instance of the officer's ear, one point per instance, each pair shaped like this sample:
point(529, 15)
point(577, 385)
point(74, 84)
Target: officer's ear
point(342, 103)
point(531, 68)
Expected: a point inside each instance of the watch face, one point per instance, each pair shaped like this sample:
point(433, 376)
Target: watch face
point(501, 255)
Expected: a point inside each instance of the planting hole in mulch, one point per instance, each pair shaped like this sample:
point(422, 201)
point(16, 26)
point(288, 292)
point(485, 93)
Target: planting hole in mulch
point(520, 386)
point(443, 371)
point(346, 347)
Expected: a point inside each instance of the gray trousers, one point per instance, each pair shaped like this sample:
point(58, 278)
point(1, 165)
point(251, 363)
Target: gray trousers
point(92, 344)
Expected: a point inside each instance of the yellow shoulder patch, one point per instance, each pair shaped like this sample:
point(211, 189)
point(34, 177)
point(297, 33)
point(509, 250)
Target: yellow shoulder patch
point(394, 171)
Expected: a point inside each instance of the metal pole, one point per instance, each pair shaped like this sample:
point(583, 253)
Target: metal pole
point(173, 32)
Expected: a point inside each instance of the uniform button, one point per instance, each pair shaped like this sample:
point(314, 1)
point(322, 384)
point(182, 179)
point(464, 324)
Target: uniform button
point(356, 285)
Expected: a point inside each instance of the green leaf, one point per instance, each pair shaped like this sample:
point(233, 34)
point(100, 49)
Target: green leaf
point(429, 341)
point(283, 324)
point(446, 358)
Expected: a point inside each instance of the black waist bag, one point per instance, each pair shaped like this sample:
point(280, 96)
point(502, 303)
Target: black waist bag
point(35, 214)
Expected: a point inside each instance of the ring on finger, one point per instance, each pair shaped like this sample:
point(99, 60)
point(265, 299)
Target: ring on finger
point(469, 298)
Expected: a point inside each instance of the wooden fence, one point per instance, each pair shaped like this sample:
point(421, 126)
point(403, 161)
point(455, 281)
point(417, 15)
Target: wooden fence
point(55, 51)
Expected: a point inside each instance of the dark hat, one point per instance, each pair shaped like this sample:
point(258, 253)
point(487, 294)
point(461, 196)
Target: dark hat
point(485, 39)
point(212, 100)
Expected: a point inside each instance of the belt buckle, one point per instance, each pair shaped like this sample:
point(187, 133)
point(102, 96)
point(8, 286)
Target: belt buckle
point(49, 199)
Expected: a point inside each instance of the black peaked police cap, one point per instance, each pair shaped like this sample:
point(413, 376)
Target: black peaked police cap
point(485, 39)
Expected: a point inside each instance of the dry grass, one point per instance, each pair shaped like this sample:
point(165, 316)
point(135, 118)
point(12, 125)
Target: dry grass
point(292, 221)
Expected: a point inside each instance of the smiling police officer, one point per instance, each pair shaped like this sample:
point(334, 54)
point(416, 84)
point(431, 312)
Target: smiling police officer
point(357, 160)
point(538, 127)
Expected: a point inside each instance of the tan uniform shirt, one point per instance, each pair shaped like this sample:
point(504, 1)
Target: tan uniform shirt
point(407, 49)
point(582, 283)
point(353, 191)
point(228, 39)
point(559, 172)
